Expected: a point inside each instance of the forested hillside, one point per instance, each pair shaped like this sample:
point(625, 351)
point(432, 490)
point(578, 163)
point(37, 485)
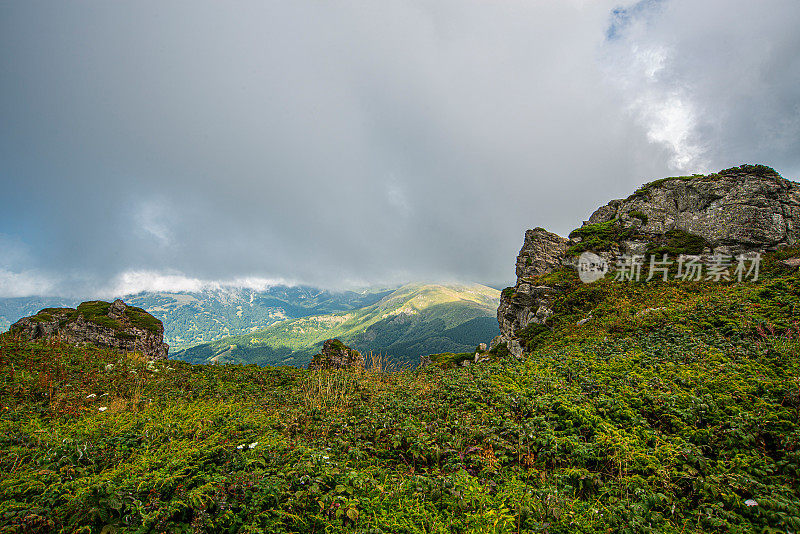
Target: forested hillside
point(414, 320)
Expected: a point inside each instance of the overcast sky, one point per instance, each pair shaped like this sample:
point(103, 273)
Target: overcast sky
point(166, 145)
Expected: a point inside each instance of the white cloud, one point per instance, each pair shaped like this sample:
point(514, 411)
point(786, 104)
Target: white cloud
point(133, 282)
point(713, 83)
point(26, 283)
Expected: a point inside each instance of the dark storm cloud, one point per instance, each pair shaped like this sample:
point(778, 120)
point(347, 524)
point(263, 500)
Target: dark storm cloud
point(158, 145)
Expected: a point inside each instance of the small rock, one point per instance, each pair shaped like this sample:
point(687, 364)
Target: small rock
point(583, 321)
point(515, 348)
point(751, 502)
point(103, 408)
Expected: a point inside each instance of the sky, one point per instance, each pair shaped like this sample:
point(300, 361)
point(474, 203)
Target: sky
point(173, 145)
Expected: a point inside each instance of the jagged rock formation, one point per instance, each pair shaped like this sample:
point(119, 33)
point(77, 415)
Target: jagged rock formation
point(111, 325)
point(744, 209)
point(336, 355)
point(747, 208)
point(528, 302)
point(541, 252)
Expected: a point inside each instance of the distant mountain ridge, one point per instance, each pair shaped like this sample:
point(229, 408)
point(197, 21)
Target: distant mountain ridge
point(201, 317)
point(413, 320)
point(192, 318)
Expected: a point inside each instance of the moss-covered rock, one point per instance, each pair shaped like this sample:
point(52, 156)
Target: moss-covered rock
point(336, 355)
point(105, 324)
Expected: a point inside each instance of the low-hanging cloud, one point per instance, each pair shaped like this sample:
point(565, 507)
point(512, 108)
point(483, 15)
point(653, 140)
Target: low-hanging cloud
point(349, 143)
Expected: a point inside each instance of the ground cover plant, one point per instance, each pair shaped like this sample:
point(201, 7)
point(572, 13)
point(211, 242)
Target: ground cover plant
point(675, 409)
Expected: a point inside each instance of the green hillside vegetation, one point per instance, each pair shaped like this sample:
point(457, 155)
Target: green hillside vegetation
point(414, 320)
point(674, 409)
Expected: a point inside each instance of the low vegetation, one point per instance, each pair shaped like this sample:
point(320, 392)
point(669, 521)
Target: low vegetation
point(598, 237)
point(674, 409)
point(677, 242)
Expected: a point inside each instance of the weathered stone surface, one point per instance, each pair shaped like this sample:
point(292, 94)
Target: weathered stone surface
point(541, 252)
point(336, 355)
point(111, 325)
point(747, 208)
point(526, 303)
point(742, 210)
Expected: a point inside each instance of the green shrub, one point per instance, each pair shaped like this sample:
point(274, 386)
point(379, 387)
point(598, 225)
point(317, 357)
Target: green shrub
point(677, 242)
point(598, 237)
point(532, 335)
point(450, 359)
point(141, 319)
point(756, 170)
point(636, 214)
point(96, 311)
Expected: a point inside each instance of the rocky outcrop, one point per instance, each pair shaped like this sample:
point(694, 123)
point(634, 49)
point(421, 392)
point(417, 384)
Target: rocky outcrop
point(541, 252)
point(114, 325)
point(336, 355)
point(528, 302)
point(743, 209)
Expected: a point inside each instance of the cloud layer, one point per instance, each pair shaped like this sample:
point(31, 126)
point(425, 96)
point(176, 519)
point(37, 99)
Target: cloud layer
point(345, 144)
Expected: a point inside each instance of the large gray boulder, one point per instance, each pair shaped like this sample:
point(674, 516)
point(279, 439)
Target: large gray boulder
point(743, 209)
point(114, 325)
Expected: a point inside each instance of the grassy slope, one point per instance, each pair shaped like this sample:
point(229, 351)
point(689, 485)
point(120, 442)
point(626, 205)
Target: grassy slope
point(664, 421)
point(413, 320)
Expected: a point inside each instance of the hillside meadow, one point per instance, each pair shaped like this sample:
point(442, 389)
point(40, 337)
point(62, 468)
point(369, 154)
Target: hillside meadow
point(674, 409)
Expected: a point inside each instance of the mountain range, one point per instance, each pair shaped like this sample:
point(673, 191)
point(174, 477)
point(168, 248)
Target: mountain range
point(413, 320)
point(286, 324)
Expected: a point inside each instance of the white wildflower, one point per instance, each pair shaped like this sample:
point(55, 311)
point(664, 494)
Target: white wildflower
point(253, 445)
point(93, 395)
point(103, 408)
point(751, 502)
point(240, 447)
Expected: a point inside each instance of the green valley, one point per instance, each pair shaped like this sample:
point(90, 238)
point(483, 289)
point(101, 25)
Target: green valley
point(414, 320)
